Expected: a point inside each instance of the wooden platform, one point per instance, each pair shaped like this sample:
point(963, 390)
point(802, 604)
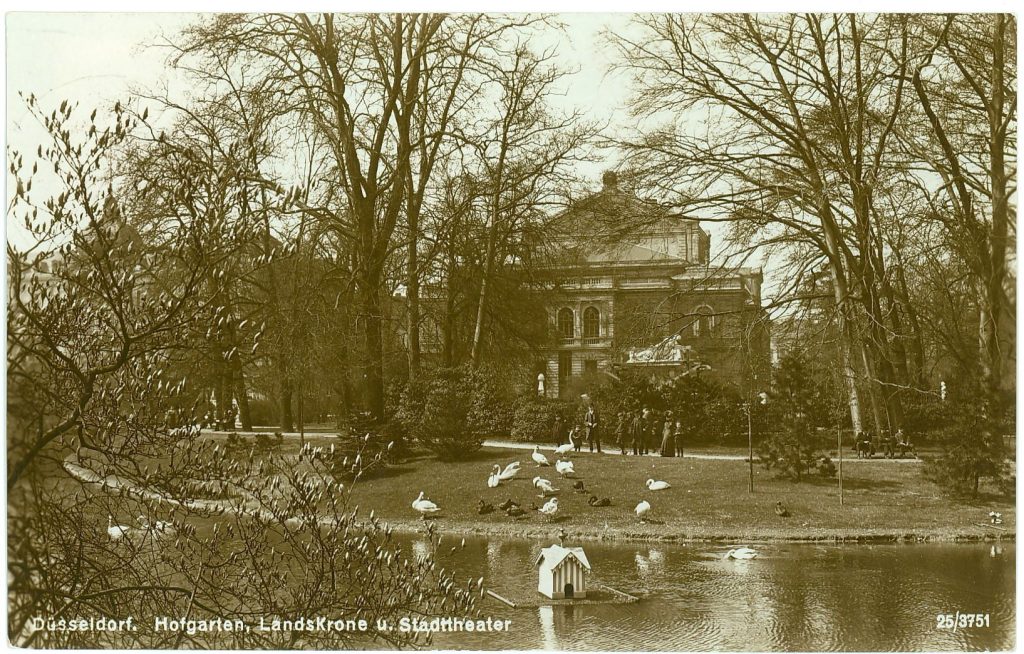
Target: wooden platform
point(598, 594)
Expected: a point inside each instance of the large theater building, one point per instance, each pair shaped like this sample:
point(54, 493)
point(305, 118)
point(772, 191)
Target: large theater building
point(630, 284)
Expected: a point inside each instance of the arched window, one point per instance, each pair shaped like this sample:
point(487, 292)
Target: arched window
point(566, 323)
point(591, 322)
point(704, 321)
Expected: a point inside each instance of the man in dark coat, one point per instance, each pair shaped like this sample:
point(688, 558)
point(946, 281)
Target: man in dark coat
point(593, 430)
point(621, 430)
point(557, 430)
point(636, 432)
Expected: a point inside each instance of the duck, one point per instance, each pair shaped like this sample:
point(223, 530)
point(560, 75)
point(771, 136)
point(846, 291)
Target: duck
point(544, 485)
point(565, 468)
point(781, 510)
point(741, 553)
point(494, 479)
point(642, 509)
point(564, 448)
point(510, 471)
point(577, 486)
point(604, 501)
point(508, 504)
point(514, 512)
point(657, 485)
point(995, 518)
point(424, 506)
point(483, 508)
point(551, 508)
point(539, 458)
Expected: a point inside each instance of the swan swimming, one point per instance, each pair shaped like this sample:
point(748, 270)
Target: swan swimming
point(742, 553)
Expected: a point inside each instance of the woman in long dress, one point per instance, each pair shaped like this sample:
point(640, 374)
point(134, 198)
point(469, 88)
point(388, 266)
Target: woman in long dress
point(668, 447)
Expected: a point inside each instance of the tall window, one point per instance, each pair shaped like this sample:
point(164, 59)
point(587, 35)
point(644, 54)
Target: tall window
point(704, 321)
point(566, 323)
point(591, 322)
point(564, 367)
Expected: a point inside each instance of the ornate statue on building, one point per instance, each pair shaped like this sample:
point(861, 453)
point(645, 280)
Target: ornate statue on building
point(669, 350)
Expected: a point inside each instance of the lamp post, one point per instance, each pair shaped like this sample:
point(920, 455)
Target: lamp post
point(748, 406)
point(750, 448)
point(839, 448)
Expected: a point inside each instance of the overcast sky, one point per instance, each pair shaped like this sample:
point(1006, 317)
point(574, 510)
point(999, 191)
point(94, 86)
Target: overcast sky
point(97, 58)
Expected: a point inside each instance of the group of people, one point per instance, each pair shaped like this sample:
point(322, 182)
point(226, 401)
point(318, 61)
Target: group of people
point(865, 444)
point(640, 431)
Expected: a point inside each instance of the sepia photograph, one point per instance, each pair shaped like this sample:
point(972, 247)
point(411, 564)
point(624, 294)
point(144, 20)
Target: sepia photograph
point(511, 331)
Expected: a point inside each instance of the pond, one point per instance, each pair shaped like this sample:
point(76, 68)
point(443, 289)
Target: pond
point(791, 597)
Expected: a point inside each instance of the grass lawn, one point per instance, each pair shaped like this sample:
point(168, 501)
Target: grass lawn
point(708, 500)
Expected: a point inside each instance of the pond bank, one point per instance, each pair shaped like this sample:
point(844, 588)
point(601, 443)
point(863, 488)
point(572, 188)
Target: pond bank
point(539, 530)
point(707, 502)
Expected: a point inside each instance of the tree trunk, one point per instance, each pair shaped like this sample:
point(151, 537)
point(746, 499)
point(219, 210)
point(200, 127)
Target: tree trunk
point(373, 348)
point(990, 332)
point(448, 329)
point(412, 286)
point(287, 418)
point(476, 353)
point(242, 395)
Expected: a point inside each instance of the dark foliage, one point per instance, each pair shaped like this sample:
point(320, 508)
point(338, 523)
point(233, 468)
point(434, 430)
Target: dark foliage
point(797, 401)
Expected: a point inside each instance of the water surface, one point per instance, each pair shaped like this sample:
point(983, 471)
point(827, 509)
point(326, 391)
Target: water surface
point(802, 597)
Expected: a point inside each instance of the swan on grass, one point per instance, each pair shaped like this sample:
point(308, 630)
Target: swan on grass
point(657, 485)
point(539, 458)
point(424, 506)
point(510, 471)
point(551, 508)
point(544, 485)
point(642, 509)
point(565, 468)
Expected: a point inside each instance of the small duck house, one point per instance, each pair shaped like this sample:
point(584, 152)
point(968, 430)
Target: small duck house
point(563, 572)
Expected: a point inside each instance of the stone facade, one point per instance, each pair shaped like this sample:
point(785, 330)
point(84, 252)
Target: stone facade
point(608, 291)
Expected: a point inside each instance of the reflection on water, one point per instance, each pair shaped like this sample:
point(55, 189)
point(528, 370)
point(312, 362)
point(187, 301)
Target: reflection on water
point(792, 597)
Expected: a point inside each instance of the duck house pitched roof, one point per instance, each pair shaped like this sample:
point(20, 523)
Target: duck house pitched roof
point(552, 557)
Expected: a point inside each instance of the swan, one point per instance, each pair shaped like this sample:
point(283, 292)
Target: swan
point(156, 528)
point(741, 553)
point(510, 471)
point(544, 485)
point(604, 501)
point(424, 507)
point(657, 485)
point(564, 448)
point(495, 477)
point(539, 458)
point(642, 509)
point(565, 468)
point(119, 532)
point(551, 508)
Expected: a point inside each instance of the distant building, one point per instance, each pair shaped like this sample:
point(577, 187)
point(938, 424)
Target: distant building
point(562, 572)
point(625, 275)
